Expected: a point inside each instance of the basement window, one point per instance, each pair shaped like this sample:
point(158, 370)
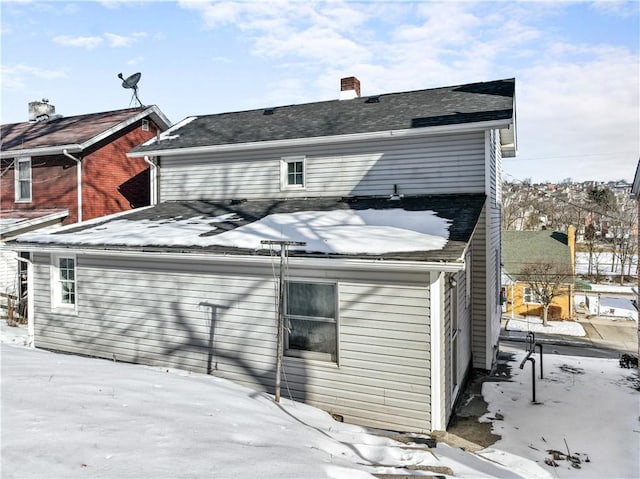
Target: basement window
point(292, 173)
point(311, 320)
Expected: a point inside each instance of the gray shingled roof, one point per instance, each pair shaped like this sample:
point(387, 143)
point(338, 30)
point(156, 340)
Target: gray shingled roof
point(469, 103)
point(520, 248)
point(462, 210)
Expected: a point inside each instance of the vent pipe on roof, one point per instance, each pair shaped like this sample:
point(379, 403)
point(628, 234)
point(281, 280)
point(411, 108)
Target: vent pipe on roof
point(349, 88)
point(41, 110)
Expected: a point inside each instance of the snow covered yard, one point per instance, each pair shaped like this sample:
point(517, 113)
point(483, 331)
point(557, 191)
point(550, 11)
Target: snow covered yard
point(66, 416)
point(587, 407)
point(534, 324)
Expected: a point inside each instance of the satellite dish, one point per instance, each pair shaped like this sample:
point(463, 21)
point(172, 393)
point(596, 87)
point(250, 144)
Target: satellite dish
point(131, 82)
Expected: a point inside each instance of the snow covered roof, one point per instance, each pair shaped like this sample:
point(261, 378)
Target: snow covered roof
point(14, 222)
point(420, 228)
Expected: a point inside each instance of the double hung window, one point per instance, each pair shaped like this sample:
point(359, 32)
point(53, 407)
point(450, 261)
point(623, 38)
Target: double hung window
point(23, 180)
point(292, 172)
point(311, 320)
point(529, 296)
point(63, 282)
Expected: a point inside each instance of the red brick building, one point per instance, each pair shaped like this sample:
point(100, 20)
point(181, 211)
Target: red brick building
point(60, 170)
point(76, 163)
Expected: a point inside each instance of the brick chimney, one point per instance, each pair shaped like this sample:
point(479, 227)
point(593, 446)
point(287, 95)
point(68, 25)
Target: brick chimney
point(41, 110)
point(349, 88)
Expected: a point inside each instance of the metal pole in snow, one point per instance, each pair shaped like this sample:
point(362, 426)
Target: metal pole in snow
point(280, 336)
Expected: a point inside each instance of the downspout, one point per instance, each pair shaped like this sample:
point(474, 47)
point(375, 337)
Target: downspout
point(30, 304)
point(153, 181)
point(79, 185)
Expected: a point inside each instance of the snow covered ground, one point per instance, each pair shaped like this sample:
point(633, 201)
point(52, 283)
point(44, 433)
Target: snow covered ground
point(603, 262)
point(587, 406)
point(66, 416)
point(534, 324)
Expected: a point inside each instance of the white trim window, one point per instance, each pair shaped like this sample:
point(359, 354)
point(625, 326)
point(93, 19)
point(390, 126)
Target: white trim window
point(529, 296)
point(23, 180)
point(63, 283)
point(311, 320)
point(292, 173)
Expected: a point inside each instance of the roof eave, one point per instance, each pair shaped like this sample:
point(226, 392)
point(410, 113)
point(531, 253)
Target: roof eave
point(314, 262)
point(43, 151)
point(153, 112)
point(413, 132)
point(30, 224)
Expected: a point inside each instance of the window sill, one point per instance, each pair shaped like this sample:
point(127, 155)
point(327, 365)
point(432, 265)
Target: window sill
point(311, 361)
point(23, 201)
point(69, 310)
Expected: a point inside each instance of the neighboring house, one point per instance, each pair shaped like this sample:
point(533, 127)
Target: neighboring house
point(635, 194)
point(521, 250)
point(391, 280)
point(60, 170)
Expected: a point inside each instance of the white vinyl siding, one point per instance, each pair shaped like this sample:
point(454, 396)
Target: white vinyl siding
point(439, 164)
point(221, 319)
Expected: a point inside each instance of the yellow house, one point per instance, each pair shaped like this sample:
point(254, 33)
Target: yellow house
point(524, 255)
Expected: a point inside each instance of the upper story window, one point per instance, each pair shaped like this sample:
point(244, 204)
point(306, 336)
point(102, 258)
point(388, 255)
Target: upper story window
point(63, 282)
point(145, 124)
point(292, 172)
point(23, 180)
point(311, 320)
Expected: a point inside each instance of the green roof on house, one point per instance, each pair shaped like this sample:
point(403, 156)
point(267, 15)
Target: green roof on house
point(520, 248)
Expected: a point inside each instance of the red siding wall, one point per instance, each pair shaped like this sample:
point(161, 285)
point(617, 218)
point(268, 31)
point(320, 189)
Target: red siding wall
point(111, 182)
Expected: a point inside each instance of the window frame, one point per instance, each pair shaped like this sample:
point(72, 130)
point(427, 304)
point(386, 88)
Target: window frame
point(305, 354)
point(18, 181)
point(284, 172)
point(57, 303)
point(527, 291)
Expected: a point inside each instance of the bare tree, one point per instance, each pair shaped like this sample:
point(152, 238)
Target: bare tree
point(547, 281)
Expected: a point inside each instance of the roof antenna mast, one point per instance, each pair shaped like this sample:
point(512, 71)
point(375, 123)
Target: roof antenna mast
point(132, 83)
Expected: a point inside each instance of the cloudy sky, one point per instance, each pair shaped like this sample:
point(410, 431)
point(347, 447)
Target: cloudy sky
point(576, 64)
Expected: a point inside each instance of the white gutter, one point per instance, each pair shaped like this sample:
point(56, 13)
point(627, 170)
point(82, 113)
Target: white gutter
point(31, 332)
point(153, 181)
point(314, 262)
point(438, 362)
point(46, 151)
point(321, 140)
point(79, 182)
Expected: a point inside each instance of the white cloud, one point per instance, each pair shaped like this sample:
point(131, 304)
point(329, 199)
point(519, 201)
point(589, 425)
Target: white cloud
point(587, 107)
point(79, 41)
point(316, 32)
point(15, 77)
point(135, 61)
point(115, 40)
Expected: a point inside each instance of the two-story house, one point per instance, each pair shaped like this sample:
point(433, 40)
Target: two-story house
point(377, 218)
point(60, 170)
